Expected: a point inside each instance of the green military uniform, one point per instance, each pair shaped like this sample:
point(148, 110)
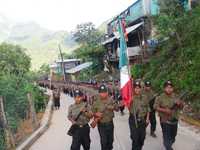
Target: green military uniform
point(82, 134)
point(100, 106)
point(140, 104)
point(150, 94)
point(137, 120)
point(117, 96)
point(152, 115)
point(169, 123)
point(74, 110)
point(166, 101)
point(105, 125)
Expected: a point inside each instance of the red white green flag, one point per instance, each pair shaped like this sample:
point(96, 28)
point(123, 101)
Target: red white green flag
point(125, 78)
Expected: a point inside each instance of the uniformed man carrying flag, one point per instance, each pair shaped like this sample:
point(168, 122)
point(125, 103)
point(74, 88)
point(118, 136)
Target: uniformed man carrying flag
point(139, 117)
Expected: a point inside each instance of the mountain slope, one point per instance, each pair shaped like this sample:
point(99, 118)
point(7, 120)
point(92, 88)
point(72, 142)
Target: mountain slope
point(41, 44)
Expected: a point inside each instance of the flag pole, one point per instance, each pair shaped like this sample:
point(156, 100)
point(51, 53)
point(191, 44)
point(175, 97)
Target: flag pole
point(123, 29)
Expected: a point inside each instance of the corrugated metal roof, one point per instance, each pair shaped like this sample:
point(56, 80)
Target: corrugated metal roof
point(53, 65)
point(128, 30)
point(67, 60)
point(79, 68)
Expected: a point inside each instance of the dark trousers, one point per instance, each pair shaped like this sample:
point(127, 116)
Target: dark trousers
point(169, 134)
point(152, 118)
point(106, 132)
point(137, 133)
point(81, 137)
point(57, 102)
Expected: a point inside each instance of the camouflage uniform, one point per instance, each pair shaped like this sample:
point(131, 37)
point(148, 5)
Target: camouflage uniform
point(105, 125)
point(82, 135)
point(137, 120)
point(117, 96)
point(169, 124)
point(152, 115)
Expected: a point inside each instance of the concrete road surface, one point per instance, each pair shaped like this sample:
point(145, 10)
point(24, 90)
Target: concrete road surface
point(56, 138)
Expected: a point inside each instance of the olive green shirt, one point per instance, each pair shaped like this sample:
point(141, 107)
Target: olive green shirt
point(149, 94)
point(75, 109)
point(140, 105)
point(166, 101)
point(102, 107)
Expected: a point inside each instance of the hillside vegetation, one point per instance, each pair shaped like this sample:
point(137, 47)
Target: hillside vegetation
point(16, 81)
point(178, 58)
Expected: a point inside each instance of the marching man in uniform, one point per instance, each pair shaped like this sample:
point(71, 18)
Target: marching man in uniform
point(80, 114)
point(168, 107)
point(103, 110)
point(152, 115)
point(139, 117)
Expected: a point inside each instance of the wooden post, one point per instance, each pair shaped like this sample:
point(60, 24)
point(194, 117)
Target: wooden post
point(10, 142)
point(32, 114)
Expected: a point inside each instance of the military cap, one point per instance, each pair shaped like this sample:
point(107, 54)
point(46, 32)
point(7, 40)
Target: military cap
point(137, 84)
point(168, 83)
point(116, 81)
point(77, 92)
point(147, 83)
point(103, 88)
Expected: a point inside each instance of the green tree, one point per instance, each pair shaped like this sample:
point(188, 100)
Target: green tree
point(44, 70)
point(93, 53)
point(16, 81)
point(178, 58)
point(13, 60)
point(86, 33)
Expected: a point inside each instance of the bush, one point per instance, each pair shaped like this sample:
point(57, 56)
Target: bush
point(2, 139)
point(15, 83)
point(178, 59)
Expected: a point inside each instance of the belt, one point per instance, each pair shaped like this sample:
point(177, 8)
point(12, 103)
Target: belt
point(139, 119)
point(105, 123)
point(81, 126)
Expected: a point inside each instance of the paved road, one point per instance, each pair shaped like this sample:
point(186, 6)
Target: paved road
point(55, 138)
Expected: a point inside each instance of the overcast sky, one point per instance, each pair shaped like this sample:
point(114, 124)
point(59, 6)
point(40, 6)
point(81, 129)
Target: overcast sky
point(62, 14)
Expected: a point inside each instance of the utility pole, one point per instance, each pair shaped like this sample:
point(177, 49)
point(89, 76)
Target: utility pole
point(62, 63)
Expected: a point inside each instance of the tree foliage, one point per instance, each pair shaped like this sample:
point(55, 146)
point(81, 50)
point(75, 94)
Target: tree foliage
point(15, 83)
point(88, 37)
point(13, 60)
point(178, 58)
point(86, 33)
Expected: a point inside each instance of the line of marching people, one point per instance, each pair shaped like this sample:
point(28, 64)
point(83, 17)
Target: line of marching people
point(142, 111)
point(69, 89)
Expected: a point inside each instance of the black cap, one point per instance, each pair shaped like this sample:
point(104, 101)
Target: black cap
point(168, 83)
point(137, 84)
point(77, 92)
point(116, 81)
point(147, 83)
point(103, 89)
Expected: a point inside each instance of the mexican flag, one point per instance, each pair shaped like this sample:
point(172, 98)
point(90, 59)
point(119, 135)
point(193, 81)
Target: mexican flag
point(125, 78)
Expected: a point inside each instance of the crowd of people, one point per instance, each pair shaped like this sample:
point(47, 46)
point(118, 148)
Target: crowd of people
point(142, 112)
